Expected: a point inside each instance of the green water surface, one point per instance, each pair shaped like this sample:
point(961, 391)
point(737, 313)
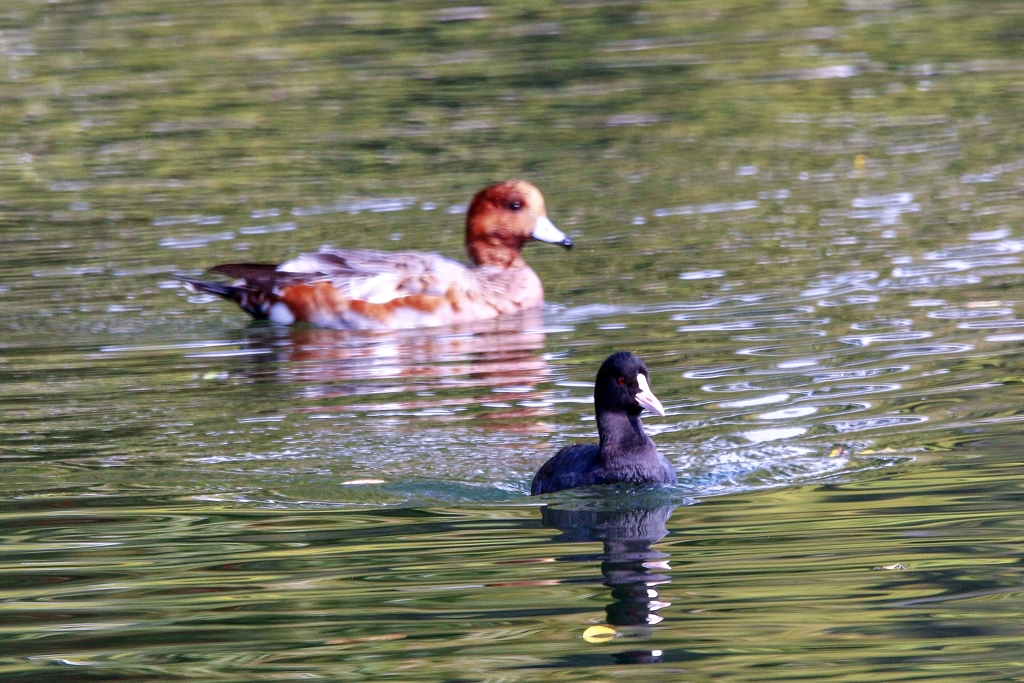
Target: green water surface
point(804, 216)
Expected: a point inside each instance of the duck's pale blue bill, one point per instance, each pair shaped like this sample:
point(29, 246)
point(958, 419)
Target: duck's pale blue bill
point(545, 231)
point(646, 397)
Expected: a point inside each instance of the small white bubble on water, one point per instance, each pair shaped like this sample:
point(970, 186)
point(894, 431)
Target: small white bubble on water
point(701, 274)
point(267, 229)
point(163, 221)
point(195, 241)
point(797, 363)
point(997, 234)
point(788, 413)
point(869, 339)
point(851, 300)
point(882, 200)
point(774, 434)
point(732, 325)
point(879, 324)
point(550, 329)
point(758, 401)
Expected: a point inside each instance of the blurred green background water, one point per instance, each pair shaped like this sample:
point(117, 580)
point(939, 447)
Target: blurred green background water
point(804, 216)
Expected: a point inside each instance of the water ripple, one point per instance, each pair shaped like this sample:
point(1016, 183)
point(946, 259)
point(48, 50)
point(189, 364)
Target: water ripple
point(869, 339)
point(845, 426)
point(931, 350)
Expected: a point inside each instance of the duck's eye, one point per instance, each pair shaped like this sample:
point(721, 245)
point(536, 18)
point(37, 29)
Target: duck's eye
point(515, 205)
point(622, 381)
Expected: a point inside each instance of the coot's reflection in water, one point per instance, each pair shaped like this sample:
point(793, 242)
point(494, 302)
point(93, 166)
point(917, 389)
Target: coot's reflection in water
point(630, 566)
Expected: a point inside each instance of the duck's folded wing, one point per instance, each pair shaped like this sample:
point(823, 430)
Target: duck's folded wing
point(261, 276)
point(378, 276)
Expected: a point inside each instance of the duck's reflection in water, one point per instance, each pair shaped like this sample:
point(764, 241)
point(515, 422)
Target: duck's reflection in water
point(629, 565)
point(503, 356)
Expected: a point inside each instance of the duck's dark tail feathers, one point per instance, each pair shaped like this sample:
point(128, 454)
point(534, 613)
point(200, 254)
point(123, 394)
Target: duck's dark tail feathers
point(252, 299)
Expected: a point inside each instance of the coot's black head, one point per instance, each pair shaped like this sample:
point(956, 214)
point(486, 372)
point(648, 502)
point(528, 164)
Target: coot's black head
point(623, 383)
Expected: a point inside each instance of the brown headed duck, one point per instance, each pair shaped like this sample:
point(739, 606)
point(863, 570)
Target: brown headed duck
point(379, 290)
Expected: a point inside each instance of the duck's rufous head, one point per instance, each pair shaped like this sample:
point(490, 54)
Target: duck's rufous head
point(504, 217)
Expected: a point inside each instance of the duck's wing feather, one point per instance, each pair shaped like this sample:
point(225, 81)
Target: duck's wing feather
point(378, 276)
point(257, 275)
point(363, 289)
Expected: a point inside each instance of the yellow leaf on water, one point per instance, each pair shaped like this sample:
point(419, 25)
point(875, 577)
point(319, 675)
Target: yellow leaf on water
point(599, 634)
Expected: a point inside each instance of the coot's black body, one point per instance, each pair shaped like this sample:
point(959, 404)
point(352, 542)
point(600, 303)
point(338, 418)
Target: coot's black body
point(625, 453)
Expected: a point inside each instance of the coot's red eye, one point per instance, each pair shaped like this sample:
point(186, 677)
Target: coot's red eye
point(622, 381)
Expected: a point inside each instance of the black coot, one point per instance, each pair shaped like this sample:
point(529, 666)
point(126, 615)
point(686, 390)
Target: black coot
point(625, 453)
